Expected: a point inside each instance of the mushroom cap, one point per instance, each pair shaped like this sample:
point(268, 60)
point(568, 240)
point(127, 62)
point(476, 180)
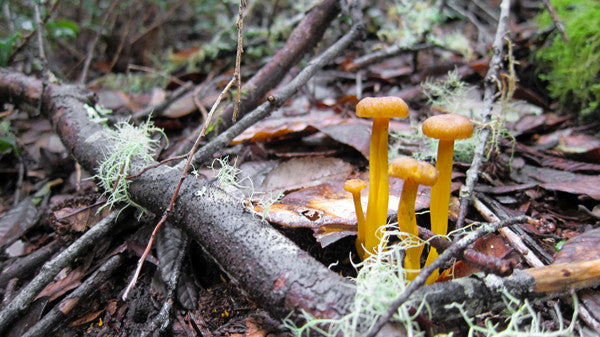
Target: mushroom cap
point(382, 107)
point(448, 127)
point(408, 168)
point(354, 185)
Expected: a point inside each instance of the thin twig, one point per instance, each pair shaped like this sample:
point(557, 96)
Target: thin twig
point(51, 268)
point(199, 91)
point(158, 23)
point(52, 319)
point(557, 22)
point(160, 73)
point(9, 18)
point(483, 36)
point(155, 165)
point(117, 53)
point(513, 239)
point(174, 198)
point(26, 37)
point(238, 60)
point(19, 184)
point(368, 59)
point(491, 80)
point(41, 52)
point(94, 41)
point(448, 254)
point(280, 97)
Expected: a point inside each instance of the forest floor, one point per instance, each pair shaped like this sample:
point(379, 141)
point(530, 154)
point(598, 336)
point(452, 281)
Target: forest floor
point(287, 168)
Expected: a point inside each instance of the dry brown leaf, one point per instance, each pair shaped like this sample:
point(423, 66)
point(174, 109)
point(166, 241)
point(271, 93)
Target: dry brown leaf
point(557, 180)
point(304, 172)
point(86, 318)
point(583, 247)
point(582, 146)
point(62, 286)
point(354, 132)
point(328, 209)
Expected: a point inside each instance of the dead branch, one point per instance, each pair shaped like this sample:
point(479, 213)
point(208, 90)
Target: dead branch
point(52, 319)
point(271, 269)
point(25, 266)
point(22, 301)
point(487, 263)
point(490, 83)
point(511, 237)
point(183, 175)
point(279, 98)
point(92, 45)
point(302, 39)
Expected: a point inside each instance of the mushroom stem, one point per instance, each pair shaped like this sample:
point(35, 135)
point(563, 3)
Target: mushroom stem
point(407, 223)
point(360, 216)
point(440, 197)
point(354, 186)
point(361, 223)
point(378, 187)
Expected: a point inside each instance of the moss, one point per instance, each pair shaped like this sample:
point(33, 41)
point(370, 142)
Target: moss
point(574, 67)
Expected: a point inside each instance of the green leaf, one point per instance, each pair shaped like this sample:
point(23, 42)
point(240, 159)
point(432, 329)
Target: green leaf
point(8, 141)
point(62, 28)
point(6, 47)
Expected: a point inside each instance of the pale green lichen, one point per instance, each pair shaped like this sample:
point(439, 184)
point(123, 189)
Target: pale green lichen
point(521, 320)
point(129, 148)
point(97, 113)
point(380, 280)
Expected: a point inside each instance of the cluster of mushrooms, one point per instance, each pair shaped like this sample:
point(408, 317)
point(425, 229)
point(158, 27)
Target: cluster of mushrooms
point(446, 128)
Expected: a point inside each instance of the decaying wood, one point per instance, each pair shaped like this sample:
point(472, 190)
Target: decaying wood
point(490, 88)
point(24, 266)
point(276, 100)
point(511, 237)
point(563, 277)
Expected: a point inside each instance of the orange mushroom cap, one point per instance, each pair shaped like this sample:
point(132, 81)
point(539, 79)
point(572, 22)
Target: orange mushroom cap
point(420, 172)
point(448, 127)
point(382, 107)
point(354, 185)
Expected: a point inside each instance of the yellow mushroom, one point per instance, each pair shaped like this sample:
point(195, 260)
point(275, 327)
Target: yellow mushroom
point(414, 173)
point(447, 128)
point(381, 109)
point(354, 186)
